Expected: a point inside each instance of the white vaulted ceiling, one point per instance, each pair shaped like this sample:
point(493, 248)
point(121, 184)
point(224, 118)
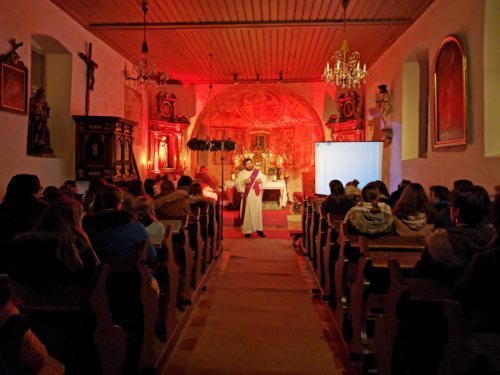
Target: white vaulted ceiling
point(247, 37)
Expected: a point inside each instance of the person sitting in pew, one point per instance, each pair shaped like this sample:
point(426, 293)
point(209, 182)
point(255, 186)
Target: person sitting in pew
point(112, 231)
point(413, 213)
point(337, 203)
point(438, 196)
point(370, 217)
point(57, 251)
point(449, 251)
point(478, 291)
point(171, 201)
point(145, 213)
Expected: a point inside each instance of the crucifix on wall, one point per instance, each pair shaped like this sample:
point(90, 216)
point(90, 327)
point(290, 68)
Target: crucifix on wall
point(91, 67)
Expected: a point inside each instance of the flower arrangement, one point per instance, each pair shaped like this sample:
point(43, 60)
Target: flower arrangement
point(210, 145)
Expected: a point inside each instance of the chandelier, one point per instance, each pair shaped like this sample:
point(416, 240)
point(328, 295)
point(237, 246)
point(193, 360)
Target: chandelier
point(345, 70)
point(145, 72)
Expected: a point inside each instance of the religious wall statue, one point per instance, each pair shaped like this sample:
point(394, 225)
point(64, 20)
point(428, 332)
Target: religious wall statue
point(163, 153)
point(38, 130)
point(384, 105)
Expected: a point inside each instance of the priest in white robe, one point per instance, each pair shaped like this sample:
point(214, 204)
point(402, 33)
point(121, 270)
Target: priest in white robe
point(249, 182)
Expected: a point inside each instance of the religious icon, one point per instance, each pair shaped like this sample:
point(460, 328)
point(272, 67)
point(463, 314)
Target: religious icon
point(163, 153)
point(38, 130)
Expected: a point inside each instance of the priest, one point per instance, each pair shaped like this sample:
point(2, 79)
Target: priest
point(249, 182)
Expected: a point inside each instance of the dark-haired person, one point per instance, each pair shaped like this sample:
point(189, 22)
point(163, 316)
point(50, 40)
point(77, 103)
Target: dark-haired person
point(479, 291)
point(51, 193)
point(337, 203)
point(20, 209)
point(443, 217)
point(205, 179)
point(184, 183)
point(88, 199)
point(149, 187)
point(413, 213)
point(438, 196)
point(397, 193)
point(370, 217)
point(449, 251)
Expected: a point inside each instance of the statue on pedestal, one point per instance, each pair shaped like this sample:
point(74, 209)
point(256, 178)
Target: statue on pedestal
point(38, 130)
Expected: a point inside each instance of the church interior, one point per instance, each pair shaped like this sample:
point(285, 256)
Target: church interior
point(249, 187)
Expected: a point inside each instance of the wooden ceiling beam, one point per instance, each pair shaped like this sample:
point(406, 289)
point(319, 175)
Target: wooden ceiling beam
point(247, 24)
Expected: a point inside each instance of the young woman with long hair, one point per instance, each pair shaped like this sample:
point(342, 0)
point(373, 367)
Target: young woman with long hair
point(414, 214)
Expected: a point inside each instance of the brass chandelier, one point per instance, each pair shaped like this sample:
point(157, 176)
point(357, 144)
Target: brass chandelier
point(345, 71)
point(145, 72)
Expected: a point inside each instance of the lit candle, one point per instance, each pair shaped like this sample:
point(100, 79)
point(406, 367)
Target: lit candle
point(364, 68)
point(233, 176)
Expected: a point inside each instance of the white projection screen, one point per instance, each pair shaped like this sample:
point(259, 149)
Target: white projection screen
point(346, 161)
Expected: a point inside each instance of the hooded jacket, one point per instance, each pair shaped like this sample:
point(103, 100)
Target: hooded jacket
point(368, 223)
point(172, 204)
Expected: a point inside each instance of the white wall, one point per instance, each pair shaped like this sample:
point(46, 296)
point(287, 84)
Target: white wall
point(465, 19)
point(21, 19)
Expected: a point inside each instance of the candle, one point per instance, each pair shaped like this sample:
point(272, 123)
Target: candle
point(233, 176)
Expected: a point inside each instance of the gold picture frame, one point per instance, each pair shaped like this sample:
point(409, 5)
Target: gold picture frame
point(450, 94)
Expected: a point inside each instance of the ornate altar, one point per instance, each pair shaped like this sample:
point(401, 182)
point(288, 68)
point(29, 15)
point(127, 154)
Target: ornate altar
point(104, 148)
point(350, 125)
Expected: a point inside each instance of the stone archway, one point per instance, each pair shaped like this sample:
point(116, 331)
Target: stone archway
point(265, 115)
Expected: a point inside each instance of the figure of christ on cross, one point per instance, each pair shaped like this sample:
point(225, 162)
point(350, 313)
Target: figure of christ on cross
point(91, 67)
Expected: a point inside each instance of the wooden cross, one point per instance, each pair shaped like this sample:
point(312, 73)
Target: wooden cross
point(91, 67)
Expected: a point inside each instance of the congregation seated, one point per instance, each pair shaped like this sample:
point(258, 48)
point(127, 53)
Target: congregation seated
point(196, 195)
point(171, 201)
point(184, 183)
point(413, 213)
point(113, 231)
point(449, 251)
point(149, 187)
point(384, 192)
point(370, 217)
point(134, 189)
point(337, 203)
point(145, 214)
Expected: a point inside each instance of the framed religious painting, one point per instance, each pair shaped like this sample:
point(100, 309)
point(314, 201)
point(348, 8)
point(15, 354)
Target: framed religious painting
point(450, 94)
point(13, 88)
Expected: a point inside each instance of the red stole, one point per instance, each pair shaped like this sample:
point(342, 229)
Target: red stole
point(248, 187)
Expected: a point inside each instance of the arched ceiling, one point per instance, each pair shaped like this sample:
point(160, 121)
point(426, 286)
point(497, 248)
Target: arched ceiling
point(246, 37)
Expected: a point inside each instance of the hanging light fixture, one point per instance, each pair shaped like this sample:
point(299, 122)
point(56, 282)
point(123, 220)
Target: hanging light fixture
point(145, 72)
point(345, 71)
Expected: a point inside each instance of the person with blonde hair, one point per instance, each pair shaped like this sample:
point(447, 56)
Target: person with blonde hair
point(145, 213)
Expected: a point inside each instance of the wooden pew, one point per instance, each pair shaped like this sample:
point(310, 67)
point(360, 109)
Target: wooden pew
point(305, 226)
point(59, 300)
point(371, 284)
point(387, 324)
point(331, 255)
point(315, 231)
point(183, 254)
point(320, 247)
point(213, 232)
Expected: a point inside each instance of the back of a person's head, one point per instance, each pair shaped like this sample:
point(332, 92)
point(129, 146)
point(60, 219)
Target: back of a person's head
point(149, 187)
point(404, 183)
point(95, 184)
point(184, 181)
point(457, 184)
point(62, 212)
point(51, 193)
point(144, 204)
point(440, 192)
point(196, 189)
point(21, 187)
point(382, 188)
point(413, 200)
point(472, 203)
point(336, 187)
point(371, 194)
point(108, 197)
point(167, 186)
point(136, 188)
